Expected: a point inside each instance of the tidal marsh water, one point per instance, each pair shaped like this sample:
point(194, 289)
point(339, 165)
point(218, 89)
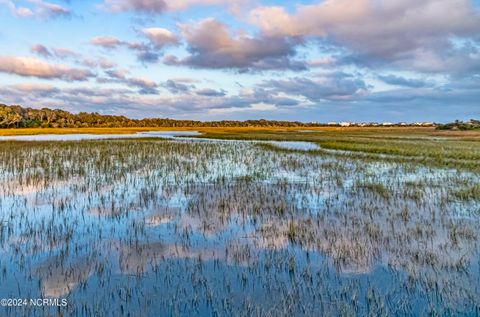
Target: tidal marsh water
point(185, 227)
point(92, 136)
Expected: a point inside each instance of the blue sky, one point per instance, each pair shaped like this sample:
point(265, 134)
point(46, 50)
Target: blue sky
point(331, 60)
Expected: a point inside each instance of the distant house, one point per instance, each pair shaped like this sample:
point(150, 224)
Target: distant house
point(424, 124)
point(345, 124)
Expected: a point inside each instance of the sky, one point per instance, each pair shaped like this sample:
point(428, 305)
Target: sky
point(306, 60)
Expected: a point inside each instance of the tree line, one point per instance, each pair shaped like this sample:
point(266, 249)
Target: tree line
point(20, 117)
point(460, 125)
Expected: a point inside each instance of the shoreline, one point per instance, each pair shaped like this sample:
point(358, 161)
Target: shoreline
point(133, 130)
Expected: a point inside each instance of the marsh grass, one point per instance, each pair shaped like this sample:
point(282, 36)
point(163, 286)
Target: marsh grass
point(422, 145)
point(188, 227)
point(471, 192)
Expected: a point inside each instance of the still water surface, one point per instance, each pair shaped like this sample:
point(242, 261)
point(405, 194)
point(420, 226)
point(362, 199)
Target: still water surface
point(231, 228)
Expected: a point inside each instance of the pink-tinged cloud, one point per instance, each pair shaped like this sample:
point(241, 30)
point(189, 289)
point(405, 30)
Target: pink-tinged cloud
point(147, 52)
point(49, 10)
point(17, 11)
point(98, 62)
point(154, 7)
point(34, 88)
point(145, 85)
point(386, 29)
point(160, 37)
point(142, 82)
point(60, 53)
point(142, 6)
point(337, 86)
point(106, 42)
point(212, 46)
point(33, 67)
point(40, 9)
point(233, 5)
point(64, 53)
point(41, 50)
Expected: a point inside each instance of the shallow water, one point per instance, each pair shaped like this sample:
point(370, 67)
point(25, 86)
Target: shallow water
point(196, 227)
point(309, 131)
point(296, 145)
point(189, 136)
point(85, 136)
